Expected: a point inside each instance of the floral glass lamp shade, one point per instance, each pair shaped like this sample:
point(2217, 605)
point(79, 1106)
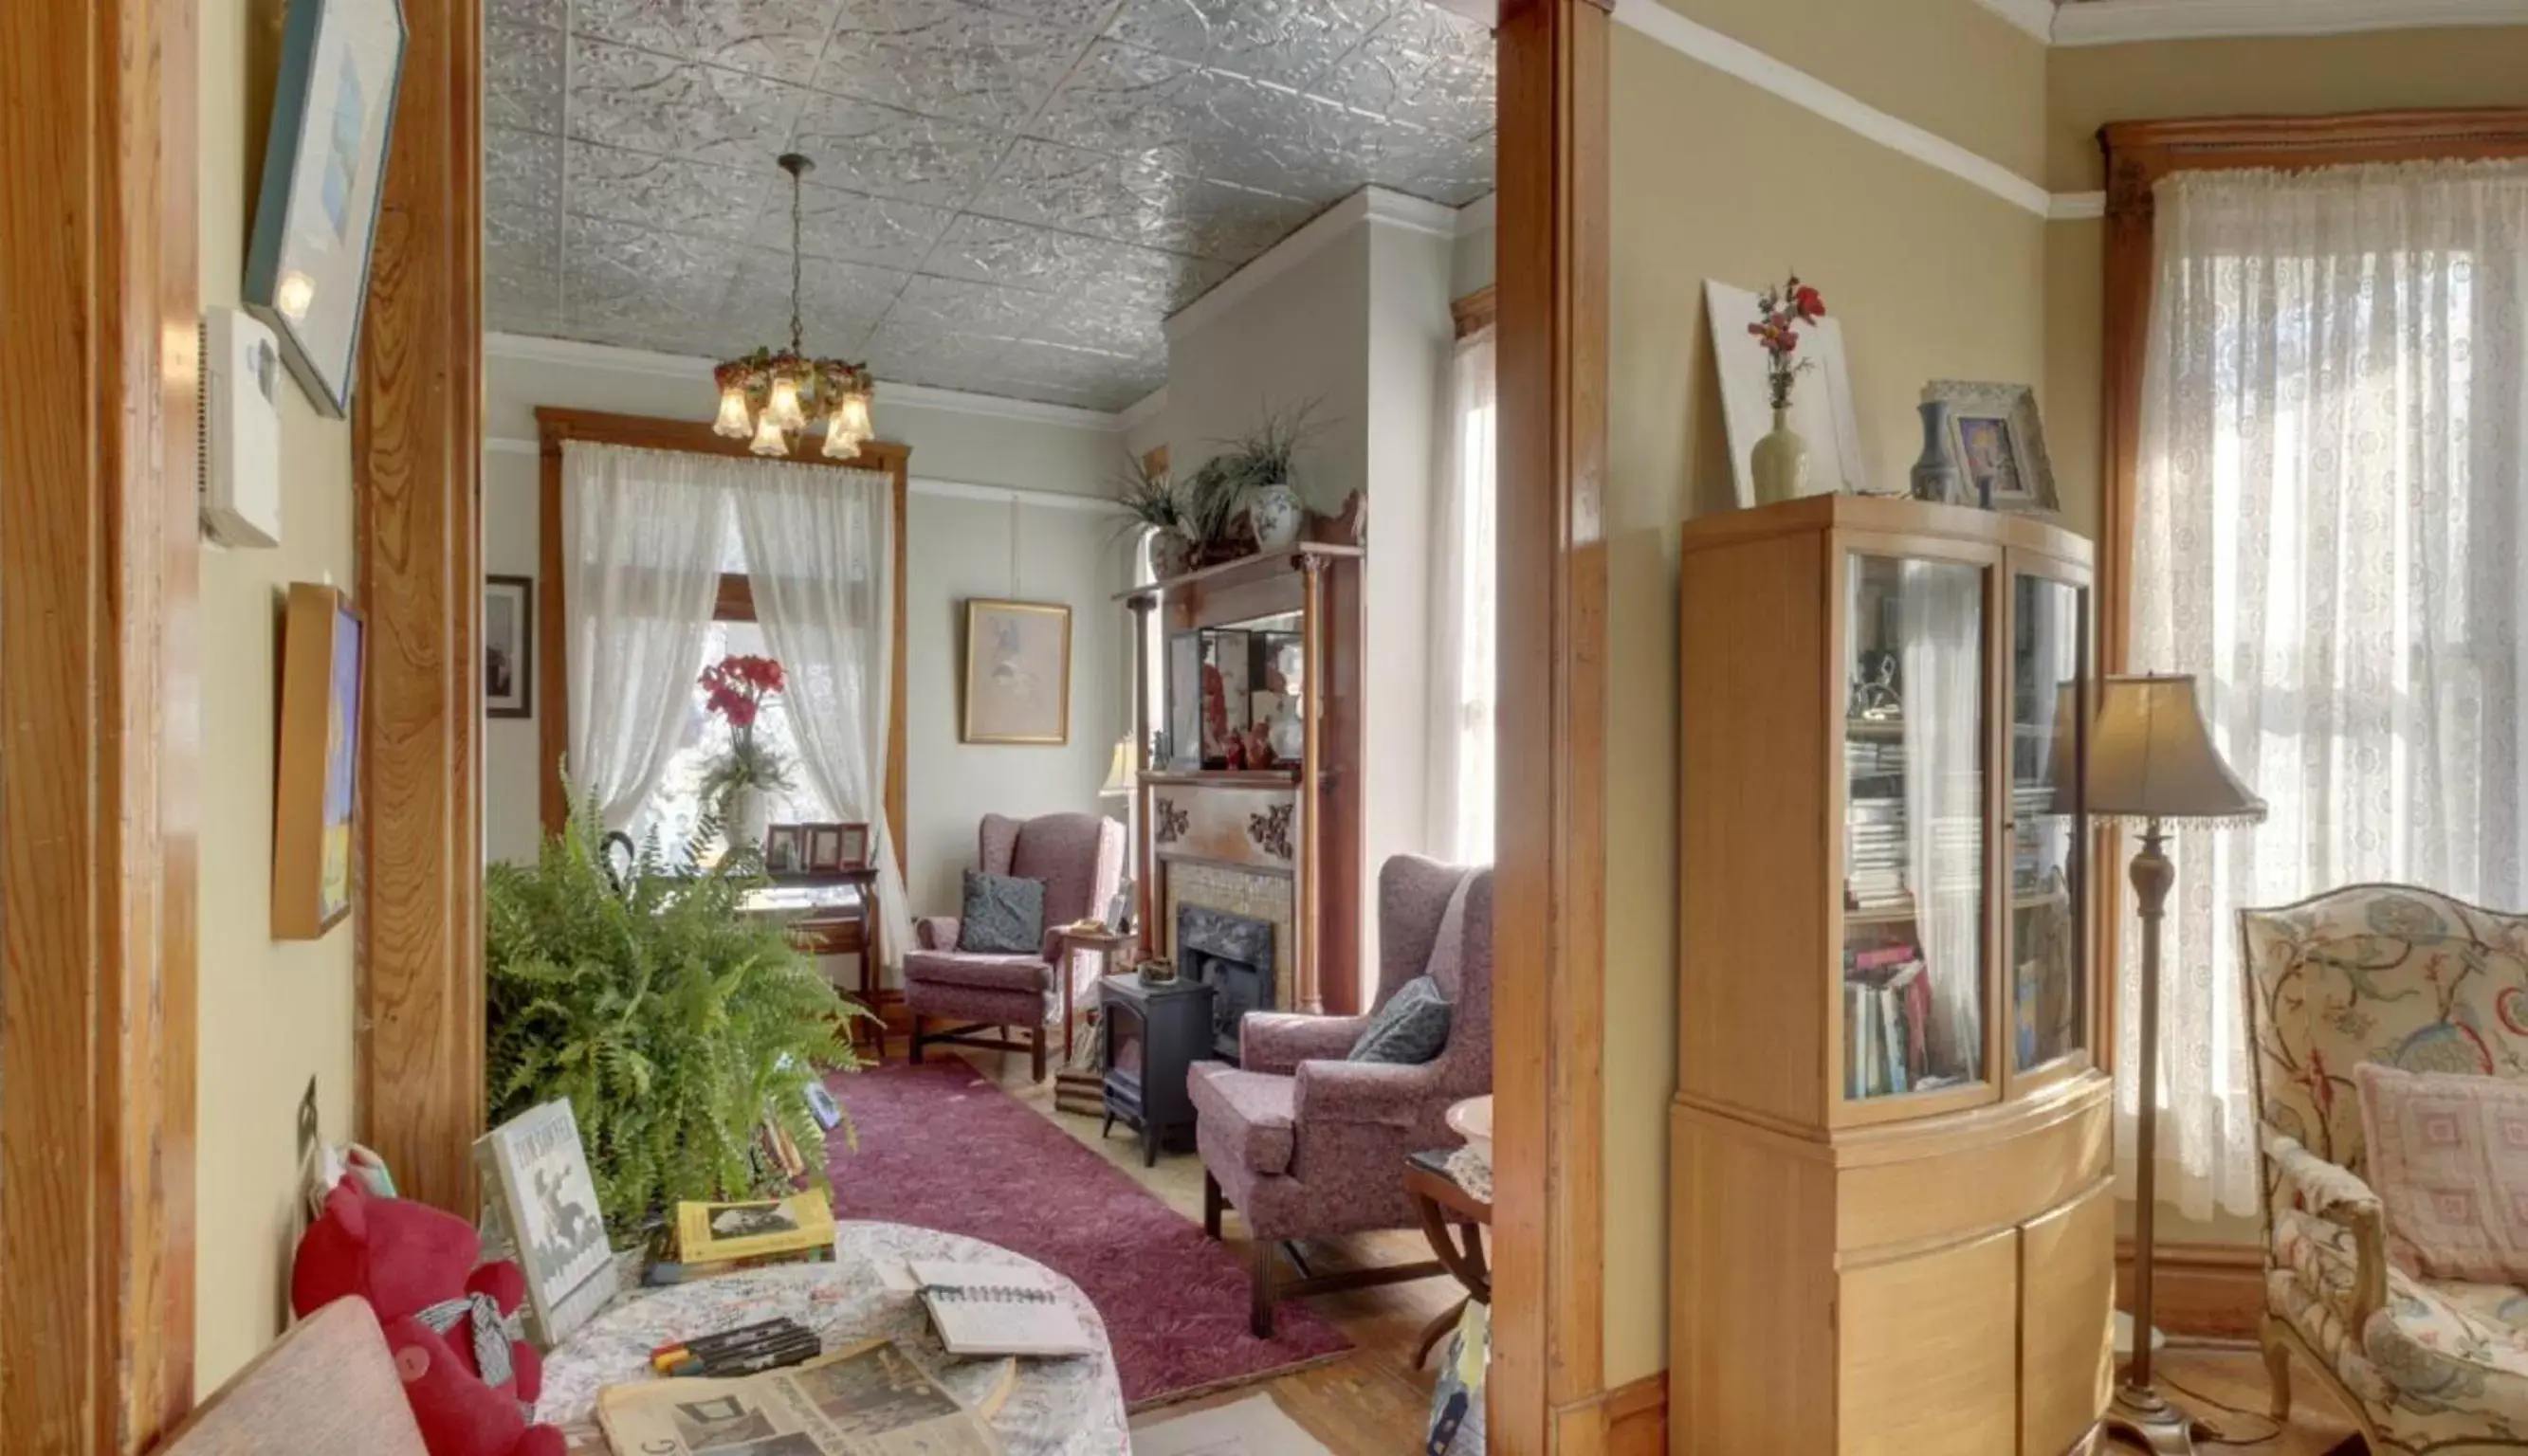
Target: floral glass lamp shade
point(2151, 759)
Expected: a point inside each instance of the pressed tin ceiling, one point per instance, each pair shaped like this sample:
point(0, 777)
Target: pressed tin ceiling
point(1008, 199)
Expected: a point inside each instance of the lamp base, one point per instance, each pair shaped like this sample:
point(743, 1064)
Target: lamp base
point(2144, 1416)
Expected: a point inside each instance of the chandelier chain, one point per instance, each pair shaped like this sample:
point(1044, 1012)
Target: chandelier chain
point(797, 334)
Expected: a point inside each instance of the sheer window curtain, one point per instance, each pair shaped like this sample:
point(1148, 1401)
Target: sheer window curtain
point(1462, 668)
point(2328, 536)
point(640, 573)
point(819, 553)
point(1940, 622)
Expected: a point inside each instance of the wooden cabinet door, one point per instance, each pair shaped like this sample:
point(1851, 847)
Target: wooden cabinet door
point(2067, 1283)
point(1930, 1353)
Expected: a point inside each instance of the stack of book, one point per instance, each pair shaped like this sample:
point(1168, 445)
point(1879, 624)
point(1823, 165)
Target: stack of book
point(717, 1237)
point(2034, 847)
point(1874, 765)
point(1875, 853)
point(1886, 1013)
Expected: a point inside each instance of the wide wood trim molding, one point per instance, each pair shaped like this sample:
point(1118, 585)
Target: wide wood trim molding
point(1637, 1416)
point(553, 426)
point(101, 747)
point(1476, 311)
point(416, 431)
point(2204, 1291)
point(1548, 909)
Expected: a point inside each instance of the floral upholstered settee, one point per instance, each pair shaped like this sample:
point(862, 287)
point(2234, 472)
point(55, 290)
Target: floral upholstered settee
point(2415, 980)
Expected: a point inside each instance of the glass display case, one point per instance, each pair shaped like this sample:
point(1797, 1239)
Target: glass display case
point(2051, 696)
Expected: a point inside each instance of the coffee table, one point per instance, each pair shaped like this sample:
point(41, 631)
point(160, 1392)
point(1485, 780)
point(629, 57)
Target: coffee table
point(1071, 1407)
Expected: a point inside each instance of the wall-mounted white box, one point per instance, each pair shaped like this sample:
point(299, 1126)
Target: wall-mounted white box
point(241, 430)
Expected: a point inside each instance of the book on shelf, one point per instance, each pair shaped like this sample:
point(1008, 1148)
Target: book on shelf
point(1887, 1012)
point(719, 1232)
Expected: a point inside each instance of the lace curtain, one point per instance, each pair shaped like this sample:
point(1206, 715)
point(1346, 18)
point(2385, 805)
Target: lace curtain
point(1463, 668)
point(1939, 611)
point(818, 553)
point(2328, 536)
point(640, 571)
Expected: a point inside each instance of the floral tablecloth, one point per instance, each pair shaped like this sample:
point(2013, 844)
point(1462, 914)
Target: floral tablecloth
point(1057, 1408)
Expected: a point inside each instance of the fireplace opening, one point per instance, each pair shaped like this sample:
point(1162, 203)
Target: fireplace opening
point(1234, 956)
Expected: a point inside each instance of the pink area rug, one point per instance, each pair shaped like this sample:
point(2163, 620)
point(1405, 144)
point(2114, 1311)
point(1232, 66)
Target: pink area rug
point(943, 1148)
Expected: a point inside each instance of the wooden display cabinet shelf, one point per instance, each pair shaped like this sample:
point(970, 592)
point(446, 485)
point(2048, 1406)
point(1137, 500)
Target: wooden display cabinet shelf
point(1246, 570)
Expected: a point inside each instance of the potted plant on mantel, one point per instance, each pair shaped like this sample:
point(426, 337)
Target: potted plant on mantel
point(1152, 501)
point(684, 1027)
point(1264, 462)
point(741, 785)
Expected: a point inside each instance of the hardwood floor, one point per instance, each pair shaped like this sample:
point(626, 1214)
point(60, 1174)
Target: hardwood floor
point(1374, 1401)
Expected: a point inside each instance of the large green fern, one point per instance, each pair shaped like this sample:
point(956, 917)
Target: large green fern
point(676, 1022)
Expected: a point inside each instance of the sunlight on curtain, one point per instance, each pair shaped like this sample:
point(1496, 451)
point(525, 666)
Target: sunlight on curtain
point(2328, 536)
point(1462, 607)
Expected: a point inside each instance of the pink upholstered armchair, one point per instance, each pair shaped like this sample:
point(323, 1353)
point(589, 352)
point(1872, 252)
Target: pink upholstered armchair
point(1306, 1144)
point(1080, 861)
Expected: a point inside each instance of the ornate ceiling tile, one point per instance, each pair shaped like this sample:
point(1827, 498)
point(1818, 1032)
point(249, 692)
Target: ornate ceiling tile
point(861, 146)
point(615, 270)
point(777, 38)
point(648, 102)
point(1289, 41)
point(945, 58)
point(522, 74)
point(1136, 199)
point(839, 302)
point(1423, 66)
point(854, 227)
point(954, 306)
point(681, 196)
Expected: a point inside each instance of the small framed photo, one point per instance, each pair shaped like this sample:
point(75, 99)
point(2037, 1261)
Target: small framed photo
point(781, 850)
point(856, 847)
point(1017, 672)
point(509, 647)
point(825, 848)
point(1999, 445)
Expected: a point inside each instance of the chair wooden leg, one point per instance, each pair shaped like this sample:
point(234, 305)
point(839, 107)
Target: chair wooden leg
point(1212, 1204)
point(2277, 1366)
point(1036, 1060)
point(917, 1039)
point(1259, 1314)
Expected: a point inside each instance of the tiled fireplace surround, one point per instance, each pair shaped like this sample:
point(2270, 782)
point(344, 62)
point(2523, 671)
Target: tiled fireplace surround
point(1261, 894)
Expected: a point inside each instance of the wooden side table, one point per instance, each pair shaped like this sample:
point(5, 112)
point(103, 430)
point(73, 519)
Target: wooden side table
point(1445, 1202)
point(1078, 1087)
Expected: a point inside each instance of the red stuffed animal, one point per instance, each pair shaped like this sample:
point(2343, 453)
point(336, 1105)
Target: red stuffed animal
point(418, 1266)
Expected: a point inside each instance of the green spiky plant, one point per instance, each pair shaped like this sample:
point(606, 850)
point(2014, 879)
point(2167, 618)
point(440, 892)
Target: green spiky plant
point(676, 1022)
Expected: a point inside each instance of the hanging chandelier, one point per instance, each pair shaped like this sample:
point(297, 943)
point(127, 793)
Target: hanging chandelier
point(772, 394)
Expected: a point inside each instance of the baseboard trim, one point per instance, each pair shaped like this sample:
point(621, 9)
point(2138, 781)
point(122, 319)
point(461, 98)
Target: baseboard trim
point(2212, 1291)
point(1637, 1417)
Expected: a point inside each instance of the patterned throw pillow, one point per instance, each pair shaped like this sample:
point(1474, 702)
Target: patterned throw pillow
point(2448, 1159)
point(1003, 915)
point(1411, 1029)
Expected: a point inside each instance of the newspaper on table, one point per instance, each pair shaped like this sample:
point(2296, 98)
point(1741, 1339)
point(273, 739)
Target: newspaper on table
point(867, 1400)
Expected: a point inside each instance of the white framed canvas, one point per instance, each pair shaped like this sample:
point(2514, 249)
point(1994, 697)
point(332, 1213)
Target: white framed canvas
point(1822, 408)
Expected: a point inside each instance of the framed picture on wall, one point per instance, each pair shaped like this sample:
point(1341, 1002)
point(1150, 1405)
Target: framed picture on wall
point(316, 773)
point(1017, 672)
point(316, 220)
point(509, 647)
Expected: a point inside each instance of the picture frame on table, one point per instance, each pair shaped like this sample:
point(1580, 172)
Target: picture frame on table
point(324, 166)
point(1822, 413)
point(824, 848)
point(855, 846)
point(316, 773)
point(1017, 672)
point(781, 850)
point(1998, 441)
point(509, 647)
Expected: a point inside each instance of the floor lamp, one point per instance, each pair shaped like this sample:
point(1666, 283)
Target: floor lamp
point(2151, 759)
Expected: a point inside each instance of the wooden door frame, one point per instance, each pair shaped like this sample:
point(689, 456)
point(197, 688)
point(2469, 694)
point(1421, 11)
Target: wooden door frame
point(101, 747)
point(1547, 1386)
point(553, 426)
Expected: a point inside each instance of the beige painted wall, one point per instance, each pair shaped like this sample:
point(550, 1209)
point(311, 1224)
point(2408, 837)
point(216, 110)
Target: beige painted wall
point(1932, 277)
point(1951, 67)
point(273, 1013)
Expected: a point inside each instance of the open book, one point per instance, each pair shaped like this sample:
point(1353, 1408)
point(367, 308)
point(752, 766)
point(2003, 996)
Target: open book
point(993, 1309)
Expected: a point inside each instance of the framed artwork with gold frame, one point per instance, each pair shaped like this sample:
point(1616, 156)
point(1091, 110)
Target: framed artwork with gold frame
point(1017, 672)
point(316, 773)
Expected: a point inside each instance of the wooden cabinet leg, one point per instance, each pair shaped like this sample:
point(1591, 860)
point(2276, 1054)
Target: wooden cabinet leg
point(1259, 1315)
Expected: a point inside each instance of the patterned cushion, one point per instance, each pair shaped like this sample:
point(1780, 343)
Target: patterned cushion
point(1410, 1031)
point(2449, 1155)
point(1246, 1111)
point(1026, 974)
point(1003, 915)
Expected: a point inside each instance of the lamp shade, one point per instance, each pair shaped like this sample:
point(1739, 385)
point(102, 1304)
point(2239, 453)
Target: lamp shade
point(1121, 772)
point(2151, 756)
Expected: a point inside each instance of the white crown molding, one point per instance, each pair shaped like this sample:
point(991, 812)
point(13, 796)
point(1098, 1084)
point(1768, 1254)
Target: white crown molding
point(1372, 206)
point(2035, 16)
point(2123, 21)
point(574, 354)
point(1477, 216)
point(1737, 57)
point(1012, 495)
point(2077, 207)
point(1139, 411)
point(502, 445)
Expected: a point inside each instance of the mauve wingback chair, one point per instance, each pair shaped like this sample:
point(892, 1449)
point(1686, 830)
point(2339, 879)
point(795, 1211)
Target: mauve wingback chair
point(1079, 860)
point(1306, 1144)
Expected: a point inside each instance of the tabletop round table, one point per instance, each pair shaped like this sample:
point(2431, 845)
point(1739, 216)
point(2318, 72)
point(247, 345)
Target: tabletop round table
point(1073, 1407)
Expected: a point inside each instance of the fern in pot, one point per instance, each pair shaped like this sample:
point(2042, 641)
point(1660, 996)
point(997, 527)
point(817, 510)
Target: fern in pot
point(684, 1027)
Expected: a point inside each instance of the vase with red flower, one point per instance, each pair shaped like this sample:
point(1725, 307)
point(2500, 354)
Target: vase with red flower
point(1781, 458)
point(738, 787)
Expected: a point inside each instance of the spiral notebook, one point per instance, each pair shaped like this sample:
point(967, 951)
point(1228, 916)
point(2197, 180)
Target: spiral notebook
point(993, 1309)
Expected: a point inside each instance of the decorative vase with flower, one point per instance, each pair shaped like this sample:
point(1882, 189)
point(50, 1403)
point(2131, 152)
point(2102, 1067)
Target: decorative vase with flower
point(1781, 458)
point(740, 786)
